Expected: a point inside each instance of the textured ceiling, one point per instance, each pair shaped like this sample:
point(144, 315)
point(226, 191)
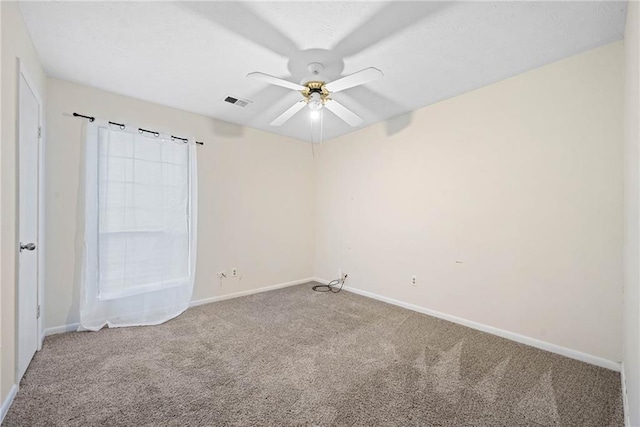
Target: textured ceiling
point(191, 55)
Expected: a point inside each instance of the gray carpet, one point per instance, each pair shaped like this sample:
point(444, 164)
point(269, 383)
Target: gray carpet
point(296, 357)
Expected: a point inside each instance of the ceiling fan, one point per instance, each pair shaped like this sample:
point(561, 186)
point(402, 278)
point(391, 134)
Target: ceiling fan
point(316, 92)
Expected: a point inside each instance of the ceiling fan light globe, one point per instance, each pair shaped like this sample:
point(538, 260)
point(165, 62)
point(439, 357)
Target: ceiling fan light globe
point(315, 105)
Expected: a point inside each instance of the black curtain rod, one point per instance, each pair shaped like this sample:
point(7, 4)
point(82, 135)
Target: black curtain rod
point(152, 132)
point(91, 119)
point(122, 126)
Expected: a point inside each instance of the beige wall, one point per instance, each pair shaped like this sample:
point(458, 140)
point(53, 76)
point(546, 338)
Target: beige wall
point(256, 203)
point(16, 43)
point(506, 202)
point(631, 329)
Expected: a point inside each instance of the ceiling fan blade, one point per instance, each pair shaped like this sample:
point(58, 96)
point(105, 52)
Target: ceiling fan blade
point(343, 112)
point(356, 79)
point(275, 81)
point(279, 121)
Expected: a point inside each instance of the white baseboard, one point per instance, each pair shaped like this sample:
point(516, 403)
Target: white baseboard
point(533, 342)
point(74, 326)
point(248, 292)
point(625, 399)
point(61, 329)
point(8, 401)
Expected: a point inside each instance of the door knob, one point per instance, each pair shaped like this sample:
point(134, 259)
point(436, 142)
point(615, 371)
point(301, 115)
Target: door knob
point(28, 246)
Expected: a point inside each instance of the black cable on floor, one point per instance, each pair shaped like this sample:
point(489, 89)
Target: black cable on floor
point(332, 286)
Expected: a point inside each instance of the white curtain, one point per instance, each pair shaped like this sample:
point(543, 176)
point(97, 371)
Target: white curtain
point(140, 227)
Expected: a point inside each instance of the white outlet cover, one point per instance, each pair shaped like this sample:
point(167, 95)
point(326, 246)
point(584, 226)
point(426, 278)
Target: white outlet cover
point(414, 281)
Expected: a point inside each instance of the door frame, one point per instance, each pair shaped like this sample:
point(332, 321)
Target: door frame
point(23, 73)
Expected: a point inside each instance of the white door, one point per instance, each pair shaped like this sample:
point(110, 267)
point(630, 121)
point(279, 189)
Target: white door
point(28, 175)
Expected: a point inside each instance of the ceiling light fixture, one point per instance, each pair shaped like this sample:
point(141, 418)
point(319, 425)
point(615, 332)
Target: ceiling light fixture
point(315, 101)
point(316, 92)
point(315, 104)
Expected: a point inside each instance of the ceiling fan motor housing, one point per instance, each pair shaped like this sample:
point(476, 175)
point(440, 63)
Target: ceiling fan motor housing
point(316, 94)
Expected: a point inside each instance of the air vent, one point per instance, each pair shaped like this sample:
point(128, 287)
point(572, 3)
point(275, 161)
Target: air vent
point(237, 101)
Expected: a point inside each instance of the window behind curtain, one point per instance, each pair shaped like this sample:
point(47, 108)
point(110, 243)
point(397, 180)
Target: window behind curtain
point(143, 213)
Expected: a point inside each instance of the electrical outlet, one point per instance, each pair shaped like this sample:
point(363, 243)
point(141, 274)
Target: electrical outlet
point(414, 281)
point(222, 274)
point(234, 272)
